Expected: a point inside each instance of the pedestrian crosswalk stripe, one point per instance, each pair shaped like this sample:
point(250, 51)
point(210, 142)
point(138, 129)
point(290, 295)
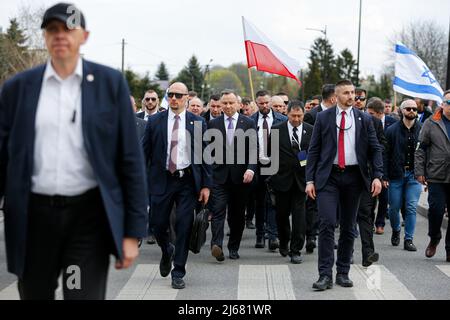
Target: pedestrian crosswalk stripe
point(377, 283)
point(265, 282)
point(445, 268)
point(147, 284)
point(10, 292)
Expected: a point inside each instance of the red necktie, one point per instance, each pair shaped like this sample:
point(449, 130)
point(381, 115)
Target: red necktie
point(341, 148)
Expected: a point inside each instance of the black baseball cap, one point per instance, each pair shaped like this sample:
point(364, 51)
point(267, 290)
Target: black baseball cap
point(64, 12)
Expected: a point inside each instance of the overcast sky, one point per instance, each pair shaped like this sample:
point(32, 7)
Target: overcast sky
point(173, 30)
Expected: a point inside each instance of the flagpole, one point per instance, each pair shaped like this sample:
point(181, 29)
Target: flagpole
point(251, 83)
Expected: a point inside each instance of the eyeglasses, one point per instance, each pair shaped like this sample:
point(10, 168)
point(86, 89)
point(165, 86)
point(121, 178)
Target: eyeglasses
point(148, 99)
point(409, 109)
point(360, 98)
point(286, 102)
point(447, 102)
point(177, 95)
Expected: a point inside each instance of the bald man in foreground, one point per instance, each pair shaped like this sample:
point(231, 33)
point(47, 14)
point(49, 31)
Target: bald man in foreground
point(174, 178)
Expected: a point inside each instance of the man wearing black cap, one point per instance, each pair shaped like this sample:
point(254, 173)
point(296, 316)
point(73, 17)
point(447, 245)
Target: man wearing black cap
point(71, 170)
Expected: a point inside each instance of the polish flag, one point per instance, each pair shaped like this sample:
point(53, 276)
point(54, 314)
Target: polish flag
point(263, 54)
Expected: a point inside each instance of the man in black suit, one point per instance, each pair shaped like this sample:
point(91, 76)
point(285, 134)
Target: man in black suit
point(343, 143)
point(289, 182)
point(312, 220)
point(233, 171)
point(366, 210)
point(150, 104)
point(265, 216)
point(328, 101)
point(214, 108)
point(176, 177)
point(376, 107)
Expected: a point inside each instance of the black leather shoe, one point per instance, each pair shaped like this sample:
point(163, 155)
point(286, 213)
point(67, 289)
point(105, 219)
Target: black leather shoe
point(323, 283)
point(395, 238)
point(274, 244)
point(234, 255)
point(431, 249)
point(408, 245)
point(165, 265)
point(344, 281)
point(260, 243)
point(249, 224)
point(178, 283)
point(151, 240)
point(296, 258)
point(370, 259)
point(284, 252)
point(310, 245)
point(217, 253)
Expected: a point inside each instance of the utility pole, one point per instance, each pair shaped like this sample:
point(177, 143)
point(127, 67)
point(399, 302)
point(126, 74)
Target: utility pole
point(359, 43)
point(448, 60)
point(123, 56)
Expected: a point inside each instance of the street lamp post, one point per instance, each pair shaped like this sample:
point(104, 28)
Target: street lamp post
point(359, 43)
point(324, 31)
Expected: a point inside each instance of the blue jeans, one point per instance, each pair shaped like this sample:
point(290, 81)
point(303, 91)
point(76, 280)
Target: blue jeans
point(408, 190)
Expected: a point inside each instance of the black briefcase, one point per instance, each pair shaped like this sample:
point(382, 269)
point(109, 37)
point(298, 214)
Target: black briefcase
point(198, 234)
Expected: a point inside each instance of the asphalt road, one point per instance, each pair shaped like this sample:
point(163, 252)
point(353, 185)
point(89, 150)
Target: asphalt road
point(263, 275)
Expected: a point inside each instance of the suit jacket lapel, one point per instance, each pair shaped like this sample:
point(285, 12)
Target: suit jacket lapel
point(31, 96)
point(165, 121)
point(332, 122)
point(88, 95)
point(358, 125)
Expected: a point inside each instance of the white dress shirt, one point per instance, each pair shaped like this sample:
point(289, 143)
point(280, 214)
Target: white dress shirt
point(299, 133)
point(323, 107)
point(61, 165)
point(269, 119)
point(349, 136)
point(183, 157)
point(383, 120)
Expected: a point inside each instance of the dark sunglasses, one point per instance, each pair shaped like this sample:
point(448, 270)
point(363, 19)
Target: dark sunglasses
point(177, 95)
point(360, 98)
point(148, 99)
point(286, 102)
point(447, 102)
point(409, 109)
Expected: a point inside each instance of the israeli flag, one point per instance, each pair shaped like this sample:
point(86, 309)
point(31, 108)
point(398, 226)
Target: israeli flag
point(165, 100)
point(413, 77)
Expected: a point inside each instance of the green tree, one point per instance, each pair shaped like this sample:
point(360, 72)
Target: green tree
point(162, 73)
point(346, 66)
point(191, 75)
point(138, 86)
point(221, 79)
point(321, 67)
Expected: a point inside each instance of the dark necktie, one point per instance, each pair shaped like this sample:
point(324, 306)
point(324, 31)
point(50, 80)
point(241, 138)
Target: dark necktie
point(295, 140)
point(265, 134)
point(341, 145)
point(174, 146)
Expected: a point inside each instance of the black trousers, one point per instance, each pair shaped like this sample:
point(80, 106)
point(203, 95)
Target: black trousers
point(235, 196)
point(180, 192)
point(365, 223)
point(438, 199)
point(383, 200)
point(73, 239)
point(343, 191)
point(312, 219)
point(287, 203)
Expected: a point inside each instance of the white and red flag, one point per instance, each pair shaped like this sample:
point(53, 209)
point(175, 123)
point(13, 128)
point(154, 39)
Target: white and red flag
point(266, 56)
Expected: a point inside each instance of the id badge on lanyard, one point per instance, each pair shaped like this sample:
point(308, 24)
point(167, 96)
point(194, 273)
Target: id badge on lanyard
point(302, 156)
